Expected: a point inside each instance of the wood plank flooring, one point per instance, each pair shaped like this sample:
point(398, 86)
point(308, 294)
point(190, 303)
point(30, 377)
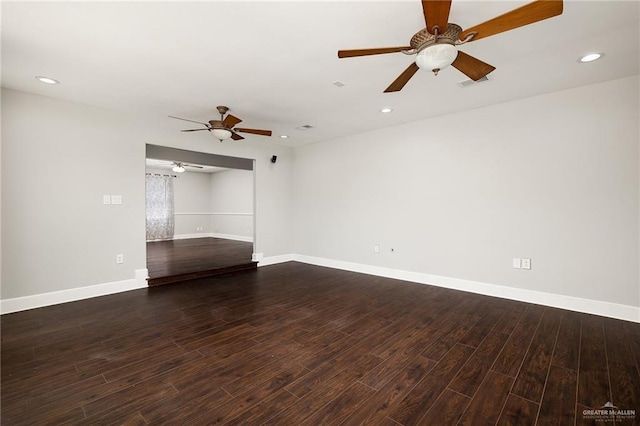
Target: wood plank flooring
point(187, 259)
point(294, 344)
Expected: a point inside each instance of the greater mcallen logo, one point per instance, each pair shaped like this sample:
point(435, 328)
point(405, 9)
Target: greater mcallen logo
point(609, 413)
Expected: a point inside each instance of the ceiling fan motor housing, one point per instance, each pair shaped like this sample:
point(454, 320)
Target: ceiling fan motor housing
point(217, 124)
point(423, 38)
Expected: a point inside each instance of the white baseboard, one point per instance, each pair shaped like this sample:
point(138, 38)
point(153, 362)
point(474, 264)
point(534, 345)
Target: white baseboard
point(596, 307)
point(257, 257)
point(189, 236)
point(232, 237)
point(274, 260)
point(214, 235)
point(589, 306)
point(56, 297)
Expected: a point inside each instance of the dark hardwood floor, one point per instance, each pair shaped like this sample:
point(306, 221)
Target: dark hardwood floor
point(296, 344)
point(181, 260)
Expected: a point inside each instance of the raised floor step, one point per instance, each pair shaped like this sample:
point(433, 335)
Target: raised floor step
point(200, 274)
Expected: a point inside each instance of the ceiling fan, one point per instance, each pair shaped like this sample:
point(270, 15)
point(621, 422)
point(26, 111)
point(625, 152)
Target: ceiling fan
point(435, 45)
point(176, 166)
point(179, 166)
point(224, 128)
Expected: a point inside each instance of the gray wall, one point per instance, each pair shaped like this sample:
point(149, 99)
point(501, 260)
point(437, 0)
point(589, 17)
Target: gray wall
point(59, 159)
point(553, 178)
point(232, 203)
point(57, 233)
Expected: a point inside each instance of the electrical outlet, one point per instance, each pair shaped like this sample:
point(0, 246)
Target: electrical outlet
point(517, 263)
point(116, 199)
point(119, 258)
point(376, 248)
point(526, 263)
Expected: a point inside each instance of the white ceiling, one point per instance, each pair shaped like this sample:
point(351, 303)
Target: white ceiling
point(274, 63)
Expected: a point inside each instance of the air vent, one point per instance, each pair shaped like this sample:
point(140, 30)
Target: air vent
point(339, 83)
point(305, 127)
point(467, 83)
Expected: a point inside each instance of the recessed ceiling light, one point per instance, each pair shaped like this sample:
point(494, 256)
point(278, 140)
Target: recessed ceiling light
point(386, 110)
point(284, 136)
point(591, 57)
point(46, 80)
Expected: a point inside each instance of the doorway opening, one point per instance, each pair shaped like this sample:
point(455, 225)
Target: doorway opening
point(200, 214)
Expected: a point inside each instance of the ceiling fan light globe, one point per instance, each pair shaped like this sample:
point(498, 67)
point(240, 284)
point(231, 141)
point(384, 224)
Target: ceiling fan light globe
point(221, 134)
point(436, 57)
point(178, 169)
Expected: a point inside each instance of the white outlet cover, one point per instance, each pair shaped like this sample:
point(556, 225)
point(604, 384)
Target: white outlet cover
point(376, 248)
point(116, 199)
point(526, 263)
point(517, 264)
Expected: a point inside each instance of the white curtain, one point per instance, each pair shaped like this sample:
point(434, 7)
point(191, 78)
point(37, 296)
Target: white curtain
point(160, 223)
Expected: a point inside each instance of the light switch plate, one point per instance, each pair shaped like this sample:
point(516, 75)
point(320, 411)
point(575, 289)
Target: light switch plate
point(517, 263)
point(106, 199)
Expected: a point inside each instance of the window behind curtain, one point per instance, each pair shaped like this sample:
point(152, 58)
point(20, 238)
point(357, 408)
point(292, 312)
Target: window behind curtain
point(159, 206)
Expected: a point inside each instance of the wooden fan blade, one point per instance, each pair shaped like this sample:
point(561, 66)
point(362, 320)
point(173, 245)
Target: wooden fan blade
point(254, 131)
point(193, 130)
point(231, 121)
point(235, 136)
point(473, 68)
point(184, 119)
point(528, 14)
point(436, 13)
point(366, 52)
point(399, 82)
point(192, 165)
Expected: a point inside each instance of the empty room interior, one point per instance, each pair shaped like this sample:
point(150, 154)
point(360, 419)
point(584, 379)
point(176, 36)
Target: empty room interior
point(320, 212)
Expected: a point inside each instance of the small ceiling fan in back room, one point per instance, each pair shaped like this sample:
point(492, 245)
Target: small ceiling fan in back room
point(224, 128)
point(435, 46)
point(179, 167)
